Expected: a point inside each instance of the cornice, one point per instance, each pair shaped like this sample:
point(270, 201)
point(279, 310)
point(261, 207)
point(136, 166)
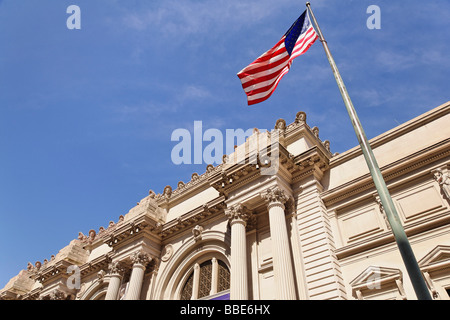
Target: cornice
point(140, 225)
point(390, 172)
point(394, 133)
point(193, 217)
point(97, 264)
point(57, 270)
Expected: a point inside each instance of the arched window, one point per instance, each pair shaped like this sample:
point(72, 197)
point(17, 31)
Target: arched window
point(207, 278)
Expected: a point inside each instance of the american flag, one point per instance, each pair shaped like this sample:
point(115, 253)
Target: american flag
point(261, 77)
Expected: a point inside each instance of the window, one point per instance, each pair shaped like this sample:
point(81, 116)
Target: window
point(207, 278)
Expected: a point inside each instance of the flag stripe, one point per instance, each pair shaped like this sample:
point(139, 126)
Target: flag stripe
point(260, 79)
point(304, 44)
point(263, 71)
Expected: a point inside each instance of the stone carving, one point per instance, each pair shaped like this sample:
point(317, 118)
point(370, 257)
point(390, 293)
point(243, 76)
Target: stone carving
point(167, 253)
point(92, 235)
point(167, 192)
point(101, 230)
point(444, 181)
point(180, 185)
point(54, 295)
point(101, 275)
point(383, 213)
point(275, 195)
point(237, 212)
point(197, 232)
point(140, 257)
point(152, 194)
point(280, 125)
point(82, 237)
point(315, 130)
point(111, 225)
point(300, 118)
point(326, 143)
point(194, 176)
point(115, 267)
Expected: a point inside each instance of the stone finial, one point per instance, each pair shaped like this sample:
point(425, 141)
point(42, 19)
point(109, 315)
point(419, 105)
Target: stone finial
point(92, 235)
point(167, 192)
point(315, 131)
point(300, 118)
point(280, 125)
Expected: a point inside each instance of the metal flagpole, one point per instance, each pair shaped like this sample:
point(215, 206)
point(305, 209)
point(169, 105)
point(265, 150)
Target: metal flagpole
point(403, 244)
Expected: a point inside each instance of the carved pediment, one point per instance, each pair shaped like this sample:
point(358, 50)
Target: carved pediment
point(436, 258)
point(375, 275)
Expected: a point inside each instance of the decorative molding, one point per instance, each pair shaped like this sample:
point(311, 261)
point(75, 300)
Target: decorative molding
point(116, 267)
point(197, 232)
point(390, 172)
point(140, 258)
point(375, 278)
point(238, 213)
point(167, 253)
point(442, 177)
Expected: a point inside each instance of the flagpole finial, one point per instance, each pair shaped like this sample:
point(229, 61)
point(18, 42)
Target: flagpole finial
point(308, 4)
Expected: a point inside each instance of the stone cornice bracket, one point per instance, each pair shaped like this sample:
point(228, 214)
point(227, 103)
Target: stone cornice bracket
point(238, 213)
point(140, 257)
point(275, 197)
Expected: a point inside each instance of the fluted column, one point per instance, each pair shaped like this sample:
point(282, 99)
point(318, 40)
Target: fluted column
point(282, 262)
point(116, 272)
point(140, 261)
point(238, 217)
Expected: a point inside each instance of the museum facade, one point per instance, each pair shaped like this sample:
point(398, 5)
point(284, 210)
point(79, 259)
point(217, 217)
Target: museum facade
point(312, 229)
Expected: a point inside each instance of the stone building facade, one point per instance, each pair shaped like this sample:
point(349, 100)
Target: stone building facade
point(314, 229)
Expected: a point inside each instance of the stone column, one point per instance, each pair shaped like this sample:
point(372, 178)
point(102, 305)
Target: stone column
point(215, 276)
point(238, 216)
point(116, 271)
point(195, 282)
point(282, 262)
point(140, 261)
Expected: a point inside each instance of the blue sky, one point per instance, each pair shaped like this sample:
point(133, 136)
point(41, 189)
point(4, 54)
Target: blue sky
point(86, 116)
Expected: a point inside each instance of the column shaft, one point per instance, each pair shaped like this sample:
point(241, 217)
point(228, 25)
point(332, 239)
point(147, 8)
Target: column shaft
point(136, 279)
point(239, 277)
point(113, 287)
point(282, 262)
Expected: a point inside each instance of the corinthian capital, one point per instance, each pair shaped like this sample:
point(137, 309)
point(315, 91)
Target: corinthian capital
point(275, 195)
point(140, 257)
point(115, 267)
point(237, 212)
